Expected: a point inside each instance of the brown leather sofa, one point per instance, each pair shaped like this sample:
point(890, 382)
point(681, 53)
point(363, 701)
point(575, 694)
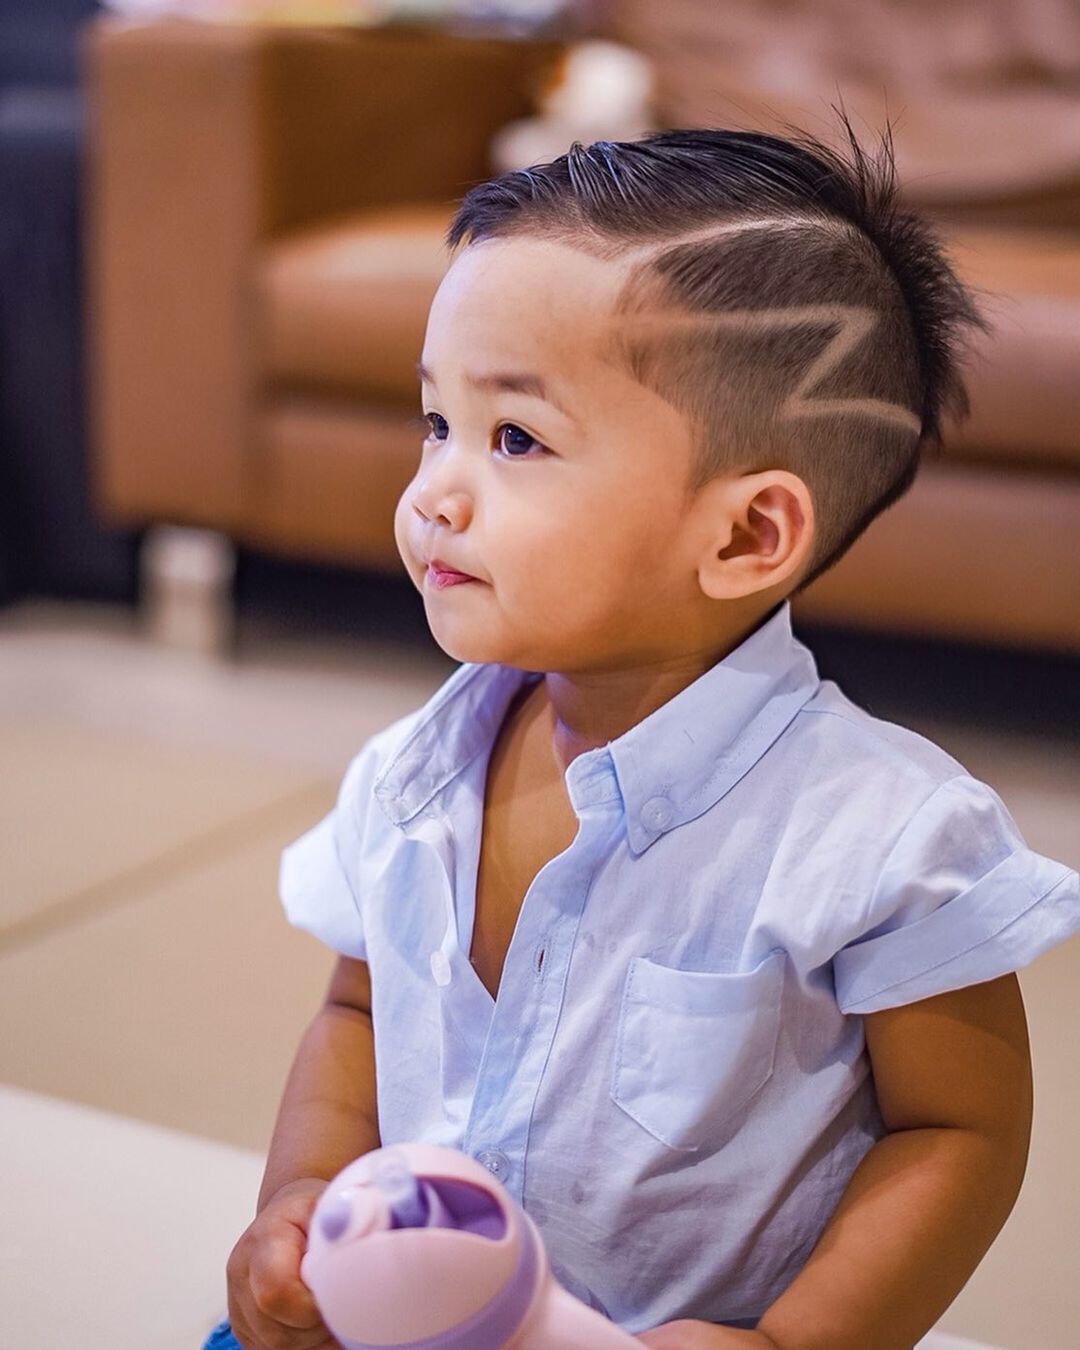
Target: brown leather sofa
point(266, 213)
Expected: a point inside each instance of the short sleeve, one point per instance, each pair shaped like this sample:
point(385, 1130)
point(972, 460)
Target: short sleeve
point(316, 881)
point(961, 899)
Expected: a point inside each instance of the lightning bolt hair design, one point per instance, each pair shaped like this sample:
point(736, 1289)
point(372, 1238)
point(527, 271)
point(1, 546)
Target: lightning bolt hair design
point(852, 324)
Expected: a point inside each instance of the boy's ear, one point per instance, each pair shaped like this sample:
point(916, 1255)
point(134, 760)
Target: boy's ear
point(760, 533)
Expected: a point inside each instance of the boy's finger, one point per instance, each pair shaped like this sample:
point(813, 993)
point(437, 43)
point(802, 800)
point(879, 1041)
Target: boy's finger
point(276, 1285)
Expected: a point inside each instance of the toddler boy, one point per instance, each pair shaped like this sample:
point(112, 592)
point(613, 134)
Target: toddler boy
point(712, 969)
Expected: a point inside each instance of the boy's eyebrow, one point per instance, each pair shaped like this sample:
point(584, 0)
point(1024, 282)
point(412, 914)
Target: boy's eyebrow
point(513, 382)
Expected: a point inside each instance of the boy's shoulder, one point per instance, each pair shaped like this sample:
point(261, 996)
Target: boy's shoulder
point(877, 780)
point(842, 732)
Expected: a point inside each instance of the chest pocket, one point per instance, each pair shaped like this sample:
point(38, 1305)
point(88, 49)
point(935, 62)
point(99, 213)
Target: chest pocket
point(694, 1047)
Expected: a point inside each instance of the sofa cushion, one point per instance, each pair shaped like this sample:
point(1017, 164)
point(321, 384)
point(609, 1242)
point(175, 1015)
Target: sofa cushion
point(343, 307)
point(1023, 382)
point(970, 553)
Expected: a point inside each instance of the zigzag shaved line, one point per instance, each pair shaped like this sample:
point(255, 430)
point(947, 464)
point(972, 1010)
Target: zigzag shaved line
point(655, 247)
point(852, 322)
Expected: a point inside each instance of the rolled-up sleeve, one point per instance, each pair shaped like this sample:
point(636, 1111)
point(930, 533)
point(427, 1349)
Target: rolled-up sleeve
point(961, 899)
point(317, 878)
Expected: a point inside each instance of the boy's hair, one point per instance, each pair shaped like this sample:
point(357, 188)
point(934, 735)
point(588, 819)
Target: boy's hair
point(777, 296)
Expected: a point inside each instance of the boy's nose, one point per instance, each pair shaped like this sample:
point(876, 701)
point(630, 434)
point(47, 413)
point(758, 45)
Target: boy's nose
point(452, 509)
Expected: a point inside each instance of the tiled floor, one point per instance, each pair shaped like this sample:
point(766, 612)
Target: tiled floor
point(145, 968)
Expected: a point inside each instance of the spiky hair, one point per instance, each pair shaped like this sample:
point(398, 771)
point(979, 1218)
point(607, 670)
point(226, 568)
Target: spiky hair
point(777, 295)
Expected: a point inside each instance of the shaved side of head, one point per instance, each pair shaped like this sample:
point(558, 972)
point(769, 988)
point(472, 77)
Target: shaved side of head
point(749, 343)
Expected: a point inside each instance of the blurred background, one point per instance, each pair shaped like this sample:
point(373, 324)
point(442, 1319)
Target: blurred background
point(220, 230)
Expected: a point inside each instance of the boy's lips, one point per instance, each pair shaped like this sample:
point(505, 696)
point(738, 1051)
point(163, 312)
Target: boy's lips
point(440, 575)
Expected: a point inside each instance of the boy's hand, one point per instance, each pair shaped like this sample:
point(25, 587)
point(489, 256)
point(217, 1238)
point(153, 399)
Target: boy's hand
point(270, 1308)
point(689, 1334)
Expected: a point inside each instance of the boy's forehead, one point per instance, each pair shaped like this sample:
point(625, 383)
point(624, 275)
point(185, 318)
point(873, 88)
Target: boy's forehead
point(521, 299)
point(565, 271)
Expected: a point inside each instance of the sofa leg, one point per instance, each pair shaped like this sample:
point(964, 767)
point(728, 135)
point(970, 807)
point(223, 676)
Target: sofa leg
point(186, 589)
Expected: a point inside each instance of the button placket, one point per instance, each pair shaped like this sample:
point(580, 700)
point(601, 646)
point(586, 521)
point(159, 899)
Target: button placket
point(513, 1062)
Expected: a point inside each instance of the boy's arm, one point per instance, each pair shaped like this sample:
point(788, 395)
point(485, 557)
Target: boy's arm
point(953, 1079)
point(327, 1115)
point(326, 1119)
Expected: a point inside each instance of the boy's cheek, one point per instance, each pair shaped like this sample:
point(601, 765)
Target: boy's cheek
point(401, 538)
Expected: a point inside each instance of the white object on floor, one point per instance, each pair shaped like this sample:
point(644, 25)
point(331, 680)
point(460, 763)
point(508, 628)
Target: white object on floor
point(186, 581)
point(115, 1232)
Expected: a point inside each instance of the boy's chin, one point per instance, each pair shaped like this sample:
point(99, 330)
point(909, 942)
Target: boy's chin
point(459, 643)
point(473, 645)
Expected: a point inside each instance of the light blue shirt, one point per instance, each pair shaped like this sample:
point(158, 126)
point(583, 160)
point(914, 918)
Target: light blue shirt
point(673, 1080)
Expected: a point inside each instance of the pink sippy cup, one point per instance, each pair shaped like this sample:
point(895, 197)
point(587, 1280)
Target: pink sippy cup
point(419, 1246)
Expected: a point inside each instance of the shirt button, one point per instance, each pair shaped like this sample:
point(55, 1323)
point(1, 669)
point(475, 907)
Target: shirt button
point(496, 1162)
point(657, 813)
point(440, 968)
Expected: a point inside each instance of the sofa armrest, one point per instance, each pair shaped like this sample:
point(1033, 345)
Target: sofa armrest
point(204, 141)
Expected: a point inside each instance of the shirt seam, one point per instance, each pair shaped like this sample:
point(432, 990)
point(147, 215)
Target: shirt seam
point(956, 956)
point(894, 753)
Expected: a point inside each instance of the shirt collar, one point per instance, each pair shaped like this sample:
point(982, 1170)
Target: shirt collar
point(459, 722)
point(685, 756)
point(669, 768)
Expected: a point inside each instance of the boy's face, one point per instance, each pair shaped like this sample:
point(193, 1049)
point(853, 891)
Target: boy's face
point(567, 511)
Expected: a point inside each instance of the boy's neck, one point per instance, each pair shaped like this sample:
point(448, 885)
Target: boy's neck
point(586, 710)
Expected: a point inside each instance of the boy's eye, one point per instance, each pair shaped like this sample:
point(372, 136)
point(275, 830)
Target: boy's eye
point(431, 419)
point(514, 442)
